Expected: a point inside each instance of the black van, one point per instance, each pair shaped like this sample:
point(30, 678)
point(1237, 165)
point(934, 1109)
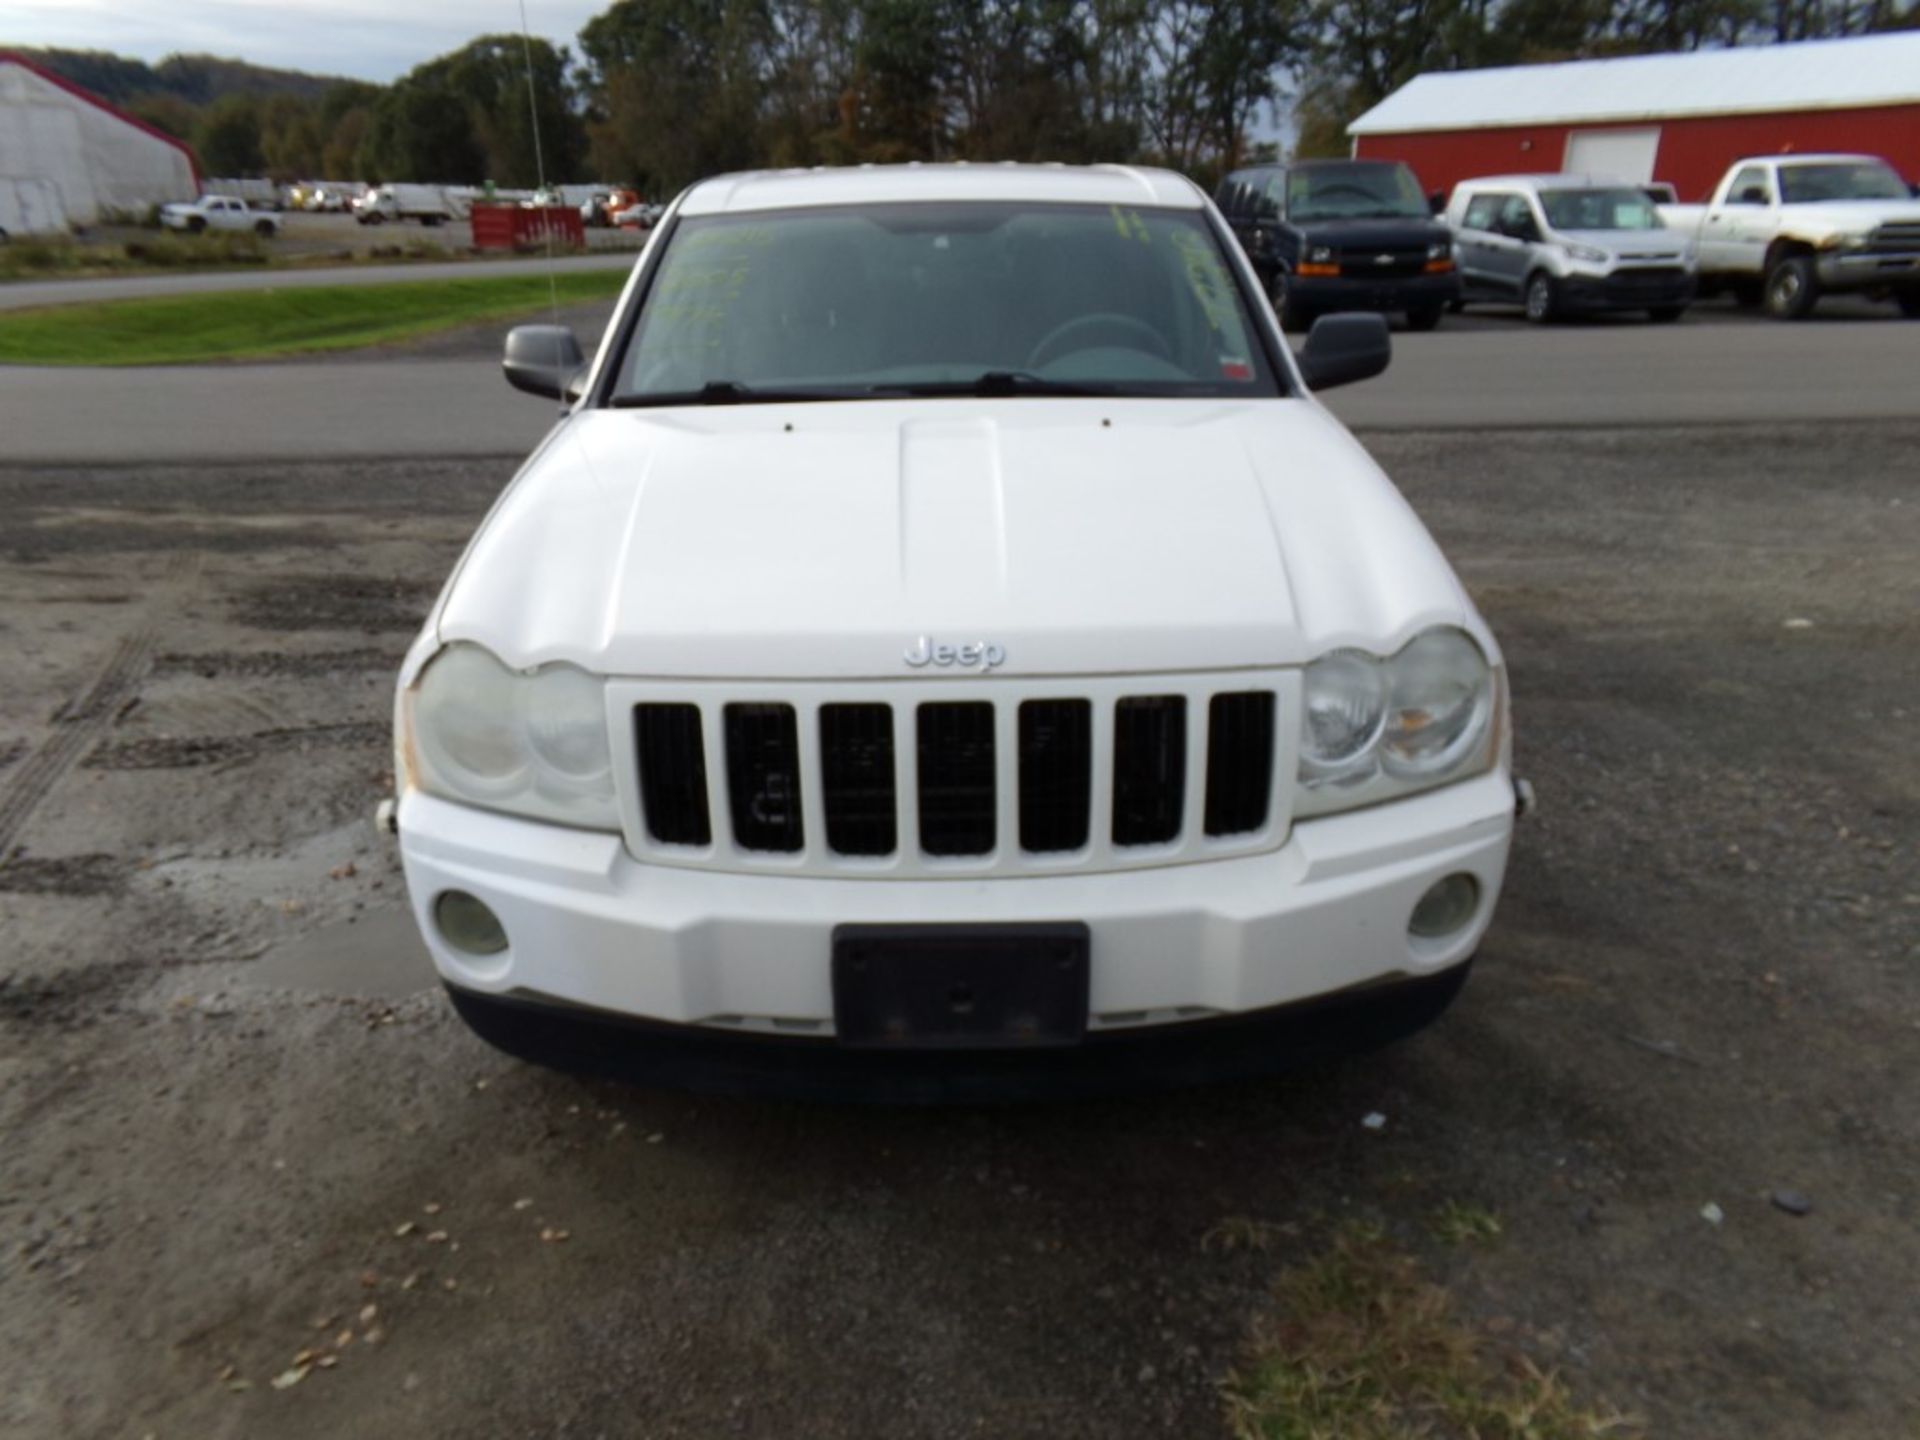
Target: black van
point(1330, 235)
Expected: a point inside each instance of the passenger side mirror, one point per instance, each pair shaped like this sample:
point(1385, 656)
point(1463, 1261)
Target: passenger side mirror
point(1752, 195)
point(1341, 349)
point(545, 360)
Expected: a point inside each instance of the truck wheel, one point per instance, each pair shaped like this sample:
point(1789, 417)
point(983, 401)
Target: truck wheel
point(1909, 303)
point(1293, 315)
point(1666, 314)
point(196, 225)
point(1792, 288)
point(1424, 319)
point(1542, 304)
point(264, 229)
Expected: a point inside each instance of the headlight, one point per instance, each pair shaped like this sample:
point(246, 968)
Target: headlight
point(1346, 706)
point(1439, 699)
point(1439, 250)
point(1320, 254)
point(1589, 255)
point(1373, 729)
point(529, 744)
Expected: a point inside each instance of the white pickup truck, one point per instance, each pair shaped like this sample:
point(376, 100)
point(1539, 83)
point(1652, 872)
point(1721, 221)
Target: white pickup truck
point(218, 212)
point(1785, 229)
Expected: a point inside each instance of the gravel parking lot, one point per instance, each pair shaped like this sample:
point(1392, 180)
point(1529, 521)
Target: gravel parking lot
point(240, 1121)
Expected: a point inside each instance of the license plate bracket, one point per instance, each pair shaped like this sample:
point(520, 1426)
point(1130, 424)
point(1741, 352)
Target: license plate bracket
point(960, 987)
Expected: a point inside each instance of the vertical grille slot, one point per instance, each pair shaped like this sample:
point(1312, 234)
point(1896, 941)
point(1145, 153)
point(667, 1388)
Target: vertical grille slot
point(763, 776)
point(673, 773)
point(1239, 761)
point(1056, 774)
point(856, 777)
point(954, 744)
point(1149, 768)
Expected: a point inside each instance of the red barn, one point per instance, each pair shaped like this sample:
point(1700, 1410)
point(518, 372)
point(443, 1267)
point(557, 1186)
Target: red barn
point(1679, 118)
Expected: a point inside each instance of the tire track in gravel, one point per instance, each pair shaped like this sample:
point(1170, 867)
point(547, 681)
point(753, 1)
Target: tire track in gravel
point(80, 722)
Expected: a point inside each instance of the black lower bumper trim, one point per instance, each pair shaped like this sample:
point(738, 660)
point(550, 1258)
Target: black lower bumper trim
point(707, 1059)
point(1329, 294)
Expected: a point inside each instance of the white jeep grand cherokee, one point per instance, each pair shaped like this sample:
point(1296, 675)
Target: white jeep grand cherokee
point(945, 650)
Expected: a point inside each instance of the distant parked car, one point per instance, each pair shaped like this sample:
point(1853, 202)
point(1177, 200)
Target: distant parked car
point(638, 216)
point(1330, 235)
point(331, 199)
point(218, 212)
point(1561, 244)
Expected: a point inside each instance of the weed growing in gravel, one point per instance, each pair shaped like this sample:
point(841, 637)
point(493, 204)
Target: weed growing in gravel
point(1361, 1347)
point(1455, 1223)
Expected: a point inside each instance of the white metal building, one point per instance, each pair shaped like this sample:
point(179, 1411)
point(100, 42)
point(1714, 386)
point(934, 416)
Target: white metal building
point(68, 158)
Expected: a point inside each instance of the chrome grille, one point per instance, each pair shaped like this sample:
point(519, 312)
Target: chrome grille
point(1896, 237)
point(1000, 776)
point(1376, 262)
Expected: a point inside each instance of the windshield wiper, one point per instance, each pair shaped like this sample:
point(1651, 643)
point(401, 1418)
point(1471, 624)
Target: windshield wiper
point(732, 392)
point(994, 384)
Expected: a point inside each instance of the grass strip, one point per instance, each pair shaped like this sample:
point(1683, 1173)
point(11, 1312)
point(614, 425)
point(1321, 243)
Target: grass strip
point(1361, 1347)
point(249, 324)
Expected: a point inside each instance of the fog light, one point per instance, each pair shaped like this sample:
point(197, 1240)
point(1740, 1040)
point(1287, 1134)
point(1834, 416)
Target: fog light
point(467, 924)
point(1447, 906)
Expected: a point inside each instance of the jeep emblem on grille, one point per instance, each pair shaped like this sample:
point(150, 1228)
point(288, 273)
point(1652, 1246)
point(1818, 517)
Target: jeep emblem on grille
point(976, 654)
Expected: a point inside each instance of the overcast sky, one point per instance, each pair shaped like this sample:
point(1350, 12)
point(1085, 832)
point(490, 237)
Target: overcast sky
point(367, 39)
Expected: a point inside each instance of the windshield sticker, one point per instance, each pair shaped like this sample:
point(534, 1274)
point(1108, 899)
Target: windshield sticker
point(710, 269)
point(1130, 225)
point(1207, 278)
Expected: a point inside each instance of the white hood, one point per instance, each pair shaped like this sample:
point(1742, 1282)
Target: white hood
point(821, 541)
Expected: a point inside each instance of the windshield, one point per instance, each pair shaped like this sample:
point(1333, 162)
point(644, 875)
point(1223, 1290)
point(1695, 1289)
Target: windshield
point(875, 301)
point(1611, 208)
point(1855, 180)
point(1355, 192)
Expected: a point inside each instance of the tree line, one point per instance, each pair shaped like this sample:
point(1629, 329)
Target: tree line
point(662, 92)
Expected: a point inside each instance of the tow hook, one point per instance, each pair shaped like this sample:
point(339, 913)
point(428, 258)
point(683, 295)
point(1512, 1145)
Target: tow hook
point(1523, 801)
point(386, 817)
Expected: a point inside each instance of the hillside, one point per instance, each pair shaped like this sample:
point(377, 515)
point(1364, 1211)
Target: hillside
point(195, 79)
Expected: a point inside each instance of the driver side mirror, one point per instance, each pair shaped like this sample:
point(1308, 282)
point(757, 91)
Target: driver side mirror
point(545, 360)
point(1341, 349)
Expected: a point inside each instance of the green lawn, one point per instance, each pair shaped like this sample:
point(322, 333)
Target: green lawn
point(242, 324)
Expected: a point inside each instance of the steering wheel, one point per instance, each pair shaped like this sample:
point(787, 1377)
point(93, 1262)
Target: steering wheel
point(1053, 344)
